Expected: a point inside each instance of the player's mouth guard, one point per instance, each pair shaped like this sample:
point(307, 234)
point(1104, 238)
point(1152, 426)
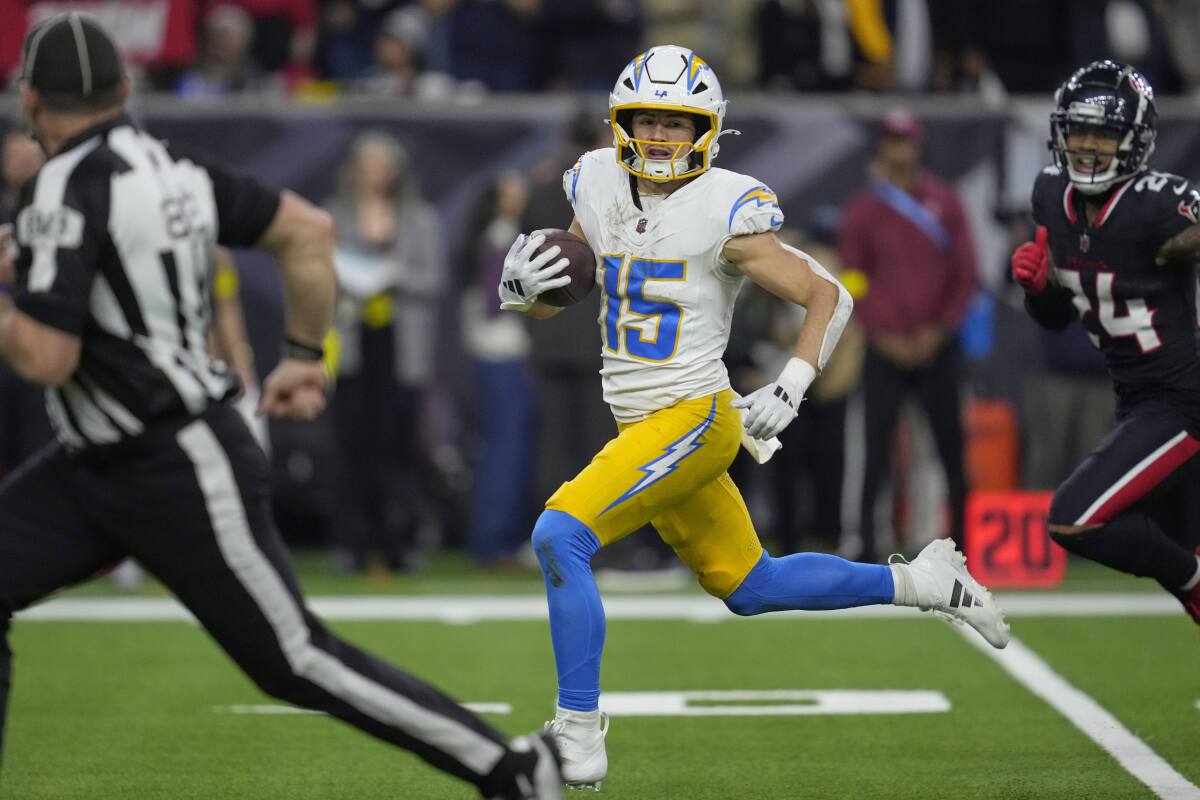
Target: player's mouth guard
point(841, 313)
point(679, 165)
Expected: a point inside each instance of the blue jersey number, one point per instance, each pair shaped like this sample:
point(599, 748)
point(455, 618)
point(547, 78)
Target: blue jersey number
point(627, 307)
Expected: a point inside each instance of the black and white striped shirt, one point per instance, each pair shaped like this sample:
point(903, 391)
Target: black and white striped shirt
point(116, 237)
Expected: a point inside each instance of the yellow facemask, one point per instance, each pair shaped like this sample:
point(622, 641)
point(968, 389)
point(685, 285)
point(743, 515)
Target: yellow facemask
point(631, 153)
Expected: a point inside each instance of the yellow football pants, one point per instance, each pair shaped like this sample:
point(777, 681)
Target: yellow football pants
point(670, 470)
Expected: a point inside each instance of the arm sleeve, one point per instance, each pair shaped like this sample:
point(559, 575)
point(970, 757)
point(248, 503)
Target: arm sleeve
point(841, 312)
point(1052, 309)
point(60, 244)
point(964, 278)
point(245, 208)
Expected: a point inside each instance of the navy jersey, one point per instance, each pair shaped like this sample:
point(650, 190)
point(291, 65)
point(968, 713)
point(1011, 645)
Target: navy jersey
point(1140, 313)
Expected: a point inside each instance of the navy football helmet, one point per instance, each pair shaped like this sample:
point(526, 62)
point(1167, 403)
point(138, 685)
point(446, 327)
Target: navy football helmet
point(1116, 101)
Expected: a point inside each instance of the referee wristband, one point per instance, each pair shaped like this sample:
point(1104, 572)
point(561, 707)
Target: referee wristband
point(301, 351)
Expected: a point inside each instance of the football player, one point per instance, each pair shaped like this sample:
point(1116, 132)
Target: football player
point(675, 239)
point(1115, 248)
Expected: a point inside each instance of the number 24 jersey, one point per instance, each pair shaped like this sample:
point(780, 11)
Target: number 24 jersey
point(667, 296)
point(1140, 313)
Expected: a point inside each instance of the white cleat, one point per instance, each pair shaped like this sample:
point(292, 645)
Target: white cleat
point(580, 739)
point(943, 586)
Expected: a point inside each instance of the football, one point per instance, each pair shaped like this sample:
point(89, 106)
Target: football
point(581, 268)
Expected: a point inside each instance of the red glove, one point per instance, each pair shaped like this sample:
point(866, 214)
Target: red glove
point(1031, 263)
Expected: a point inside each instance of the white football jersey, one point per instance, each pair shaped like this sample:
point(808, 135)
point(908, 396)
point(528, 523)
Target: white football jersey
point(667, 296)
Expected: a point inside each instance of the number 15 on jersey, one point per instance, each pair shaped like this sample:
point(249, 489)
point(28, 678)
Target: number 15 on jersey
point(645, 327)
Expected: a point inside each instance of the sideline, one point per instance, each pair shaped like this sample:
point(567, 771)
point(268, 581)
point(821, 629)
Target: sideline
point(466, 609)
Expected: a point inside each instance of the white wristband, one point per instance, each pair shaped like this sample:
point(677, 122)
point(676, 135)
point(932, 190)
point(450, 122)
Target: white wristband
point(798, 375)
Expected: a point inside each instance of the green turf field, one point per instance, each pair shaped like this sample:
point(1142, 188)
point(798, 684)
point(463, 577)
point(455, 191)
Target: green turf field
point(139, 710)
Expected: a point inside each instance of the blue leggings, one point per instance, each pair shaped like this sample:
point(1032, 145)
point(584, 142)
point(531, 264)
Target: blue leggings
point(565, 546)
point(810, 582)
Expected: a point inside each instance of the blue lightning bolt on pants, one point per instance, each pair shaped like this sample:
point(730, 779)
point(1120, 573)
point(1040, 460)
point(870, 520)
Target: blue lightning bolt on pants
point(670, 470)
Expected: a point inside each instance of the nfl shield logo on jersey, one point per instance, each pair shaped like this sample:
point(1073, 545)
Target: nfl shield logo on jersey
point(641, 226)
point(1084, 242)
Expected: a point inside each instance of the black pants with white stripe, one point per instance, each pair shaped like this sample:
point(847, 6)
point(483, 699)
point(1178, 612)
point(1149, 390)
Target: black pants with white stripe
point(1140, 485)
point(191, 504)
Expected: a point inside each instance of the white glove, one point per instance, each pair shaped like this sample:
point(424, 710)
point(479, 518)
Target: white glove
point(772, 408)
point(523, 279)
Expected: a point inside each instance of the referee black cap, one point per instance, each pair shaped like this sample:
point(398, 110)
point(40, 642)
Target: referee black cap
point(70, 55)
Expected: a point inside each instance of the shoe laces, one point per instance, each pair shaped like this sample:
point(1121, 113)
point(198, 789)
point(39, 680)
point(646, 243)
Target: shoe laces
point(558, 725)
point(898, 558)
point(979, 590)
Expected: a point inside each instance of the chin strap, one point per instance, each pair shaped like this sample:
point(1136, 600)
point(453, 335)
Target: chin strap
point(1093, 188)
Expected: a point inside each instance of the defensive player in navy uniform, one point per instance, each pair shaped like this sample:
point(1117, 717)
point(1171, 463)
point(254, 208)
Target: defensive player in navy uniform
point(676, 238)
point(1116, 248)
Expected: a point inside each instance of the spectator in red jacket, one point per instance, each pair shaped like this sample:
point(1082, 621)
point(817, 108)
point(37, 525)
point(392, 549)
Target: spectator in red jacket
point(907, 233)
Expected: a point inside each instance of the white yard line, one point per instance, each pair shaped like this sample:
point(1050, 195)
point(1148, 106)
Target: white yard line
point(1091, 718)
point(456, 609)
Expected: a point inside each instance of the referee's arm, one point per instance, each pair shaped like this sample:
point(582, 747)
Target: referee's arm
point(301, 237)
point(39, 353)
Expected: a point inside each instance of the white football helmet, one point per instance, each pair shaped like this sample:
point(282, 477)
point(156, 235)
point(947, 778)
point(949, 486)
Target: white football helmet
point(671, 78)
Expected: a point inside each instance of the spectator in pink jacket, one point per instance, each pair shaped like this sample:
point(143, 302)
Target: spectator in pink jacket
point(907, 233)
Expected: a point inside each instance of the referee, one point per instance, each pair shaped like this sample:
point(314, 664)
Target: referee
point(109, 310)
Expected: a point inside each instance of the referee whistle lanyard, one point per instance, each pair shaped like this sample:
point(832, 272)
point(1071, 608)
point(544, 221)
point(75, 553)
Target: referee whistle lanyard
point(911, 209)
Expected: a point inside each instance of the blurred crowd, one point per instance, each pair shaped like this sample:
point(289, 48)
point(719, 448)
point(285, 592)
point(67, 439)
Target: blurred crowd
point(938, 386)
point(206, 49)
